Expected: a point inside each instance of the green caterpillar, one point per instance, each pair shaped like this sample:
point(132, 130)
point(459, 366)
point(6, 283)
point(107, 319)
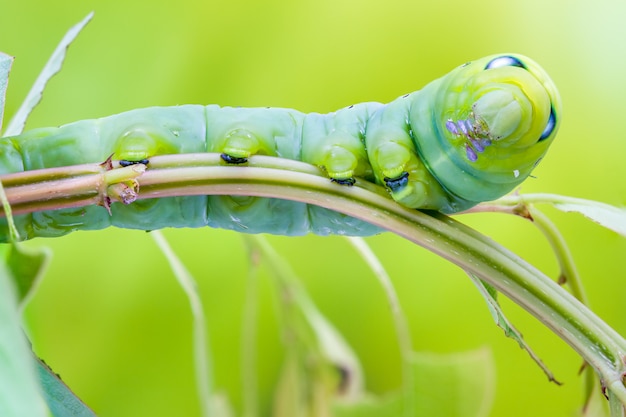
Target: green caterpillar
point(468, 137)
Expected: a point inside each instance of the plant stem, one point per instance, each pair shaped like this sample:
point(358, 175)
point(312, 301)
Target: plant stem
point(204, 174)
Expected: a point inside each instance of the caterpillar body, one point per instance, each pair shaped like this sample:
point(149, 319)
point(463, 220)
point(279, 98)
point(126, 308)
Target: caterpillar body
point(468, 137)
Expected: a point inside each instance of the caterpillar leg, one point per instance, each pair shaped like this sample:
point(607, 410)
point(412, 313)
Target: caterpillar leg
point(340, 158)
point(401, 170)
point(238, 133)
point(238, 145)
point(396, 162)
point(335, 142)
point(136, 136)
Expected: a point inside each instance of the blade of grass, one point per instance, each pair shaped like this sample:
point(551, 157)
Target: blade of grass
point(5, 68)
point(52, 67)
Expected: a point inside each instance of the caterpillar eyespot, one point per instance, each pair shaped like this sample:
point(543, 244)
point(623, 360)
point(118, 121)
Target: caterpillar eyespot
point(471, 136)
point(550, 126)
point(504, 61)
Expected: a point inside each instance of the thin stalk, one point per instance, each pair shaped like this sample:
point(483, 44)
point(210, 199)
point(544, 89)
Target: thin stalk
point(249, 338)
point(594, 340)
point(521, 206)
point(14, 236)
point(201, 354)
point(400, 322)
point(569, 275)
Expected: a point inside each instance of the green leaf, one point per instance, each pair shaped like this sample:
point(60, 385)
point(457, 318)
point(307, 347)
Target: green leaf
point(334, 348)
point(446, 385)
point(611, 217)
point(20, 393)
point(319, 364)
point(26, 266)
point(490, 295)
point(52, 67)
point(5, 68)
point(22, 269)
point(61, 400)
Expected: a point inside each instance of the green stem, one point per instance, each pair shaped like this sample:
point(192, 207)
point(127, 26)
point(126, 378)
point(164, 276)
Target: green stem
point(14, 236)
point(204, 174)
point(569, 275)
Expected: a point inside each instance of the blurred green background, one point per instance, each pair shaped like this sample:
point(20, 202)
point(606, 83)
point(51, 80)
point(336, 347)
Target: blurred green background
point(110, 318)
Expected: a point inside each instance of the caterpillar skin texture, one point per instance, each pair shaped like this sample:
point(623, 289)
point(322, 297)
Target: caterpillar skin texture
point(468, 137)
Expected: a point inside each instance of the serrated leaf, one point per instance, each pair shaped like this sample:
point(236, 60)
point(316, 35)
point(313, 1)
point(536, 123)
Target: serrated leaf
point(611, 217)
point(52, 67)
point(20, 394)
point(61, 400)
point(446, 385)
point(489, 293)
point(5, 68)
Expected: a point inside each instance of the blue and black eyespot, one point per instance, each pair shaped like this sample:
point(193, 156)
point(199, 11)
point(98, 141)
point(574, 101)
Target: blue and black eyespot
point(511, 61)
point(549, 126)
point(504, 61)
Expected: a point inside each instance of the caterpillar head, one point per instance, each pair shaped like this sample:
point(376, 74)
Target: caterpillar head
point(493, 120)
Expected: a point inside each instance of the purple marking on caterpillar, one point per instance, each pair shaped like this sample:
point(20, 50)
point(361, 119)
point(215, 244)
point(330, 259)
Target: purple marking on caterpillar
point(476, 139)
point(451, 127)
point(471, 154)
point(469, 126)
point(477, 145)
point(461, 125)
